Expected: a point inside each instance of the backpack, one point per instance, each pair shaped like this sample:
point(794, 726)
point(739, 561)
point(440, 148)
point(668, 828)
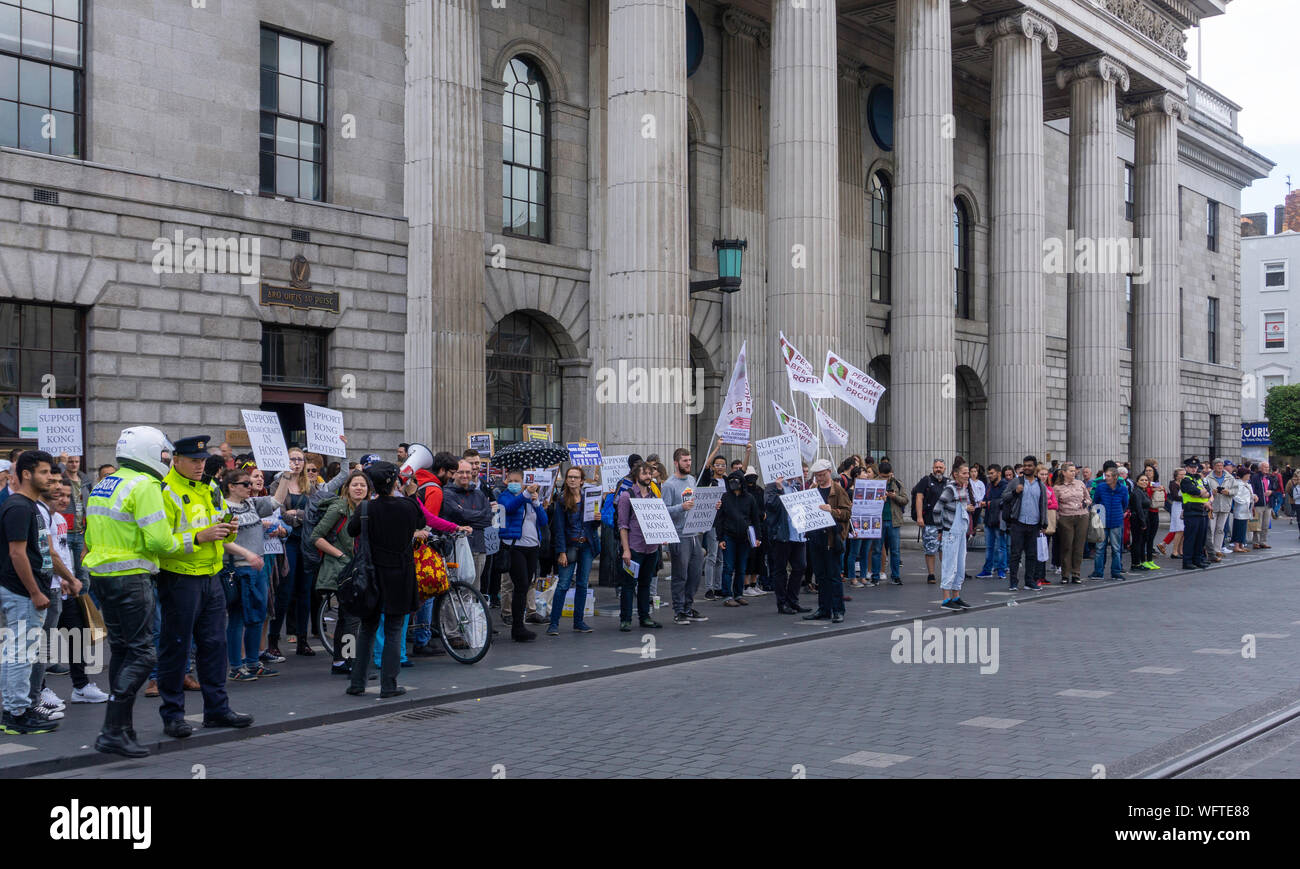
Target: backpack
point(310, 555)
point(359, 590)
point(609, 507)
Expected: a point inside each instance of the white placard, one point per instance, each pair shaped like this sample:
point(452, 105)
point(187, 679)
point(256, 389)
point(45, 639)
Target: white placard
point(59, 430)
point(27, 410)
point(324, 430)
point(612, 469)
point(701, 516)
point(868, 498)
point(779, 457)
point(272, 545)
point(865, 527)
point(542, 479)
point(591, 498)
point(656, 524)
point(266, 439)
point(805, 510)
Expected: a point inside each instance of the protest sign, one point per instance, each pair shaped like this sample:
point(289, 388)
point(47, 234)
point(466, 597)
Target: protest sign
point(852, 385)
point(27, 410)
point(59, 430)
point(267, 439)
point(805, 510)
point(324, 430)
point(868, 497)
point(834, 434)
point(737, 406)
point(542, 478)
point(701, 516)
point(864, 527)
point(611, 469)
point(800, 372)
point(539, 432)
point(779, 457)
point(800, 429)
point(591, 497)
point(481, 441)
point(584, 454)
point(656, 524)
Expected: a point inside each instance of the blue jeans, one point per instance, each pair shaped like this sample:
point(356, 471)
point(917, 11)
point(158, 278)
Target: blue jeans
point(239, 634)
point(379, 640)
point(995, 551)
point(888, 540)
point(579, 567)
point(21, 620)
point(856, 565)
point(1114, 538)
point(423, 631)
point(734, 559)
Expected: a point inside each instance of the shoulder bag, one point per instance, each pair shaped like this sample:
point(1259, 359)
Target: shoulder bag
point(358, 587)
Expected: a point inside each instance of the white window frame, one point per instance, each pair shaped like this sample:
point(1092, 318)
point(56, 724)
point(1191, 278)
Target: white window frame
point(1286, 276)
point(1263, 339)
point(1264, 388)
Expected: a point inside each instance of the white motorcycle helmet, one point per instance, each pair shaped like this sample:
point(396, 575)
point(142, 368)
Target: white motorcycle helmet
point(141, 448)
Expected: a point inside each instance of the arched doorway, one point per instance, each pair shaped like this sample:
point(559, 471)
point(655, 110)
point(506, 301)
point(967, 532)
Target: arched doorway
point(524, 383)
point(878, 431)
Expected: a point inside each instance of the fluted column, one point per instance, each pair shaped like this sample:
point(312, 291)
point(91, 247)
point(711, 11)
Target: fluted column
point(645, 245)
point(745, 43)
point(922, 348)
point(803, 234)
point(855, 243)
point(1156, 392)
point(443, 192)
point(1017, 385)
point(597, 183)
point(1095, 335)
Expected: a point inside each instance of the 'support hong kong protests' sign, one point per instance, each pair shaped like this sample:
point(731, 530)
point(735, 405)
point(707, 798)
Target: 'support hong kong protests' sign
point(59, 431)
point(779, 457)
point(324, 430)
point(267, 439)
point(702, 514)
point(656, 524)
point(805, 509)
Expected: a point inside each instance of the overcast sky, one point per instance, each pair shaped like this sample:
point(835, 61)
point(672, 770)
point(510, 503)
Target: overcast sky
point(1252, 57)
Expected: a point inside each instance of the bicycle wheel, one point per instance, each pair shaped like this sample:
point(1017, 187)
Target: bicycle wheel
point(327, 616)
point(464, 625)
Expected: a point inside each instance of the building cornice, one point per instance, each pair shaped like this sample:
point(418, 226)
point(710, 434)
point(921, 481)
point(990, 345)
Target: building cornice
point(1156, 24)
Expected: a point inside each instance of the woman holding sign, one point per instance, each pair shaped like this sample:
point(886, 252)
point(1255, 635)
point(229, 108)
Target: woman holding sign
point(576, 544)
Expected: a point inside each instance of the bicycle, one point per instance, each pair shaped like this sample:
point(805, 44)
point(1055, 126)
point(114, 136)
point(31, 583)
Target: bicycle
point(461, 618)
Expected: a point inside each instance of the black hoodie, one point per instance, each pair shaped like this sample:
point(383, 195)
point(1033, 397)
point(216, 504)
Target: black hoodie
point(739, 509)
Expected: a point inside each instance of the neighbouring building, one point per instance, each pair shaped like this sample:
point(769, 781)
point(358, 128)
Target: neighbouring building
point(1269, 357)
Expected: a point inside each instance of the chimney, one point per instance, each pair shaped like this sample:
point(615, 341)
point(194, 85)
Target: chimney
point(1279, 218)
point(1254, 224)
point(1291, 218)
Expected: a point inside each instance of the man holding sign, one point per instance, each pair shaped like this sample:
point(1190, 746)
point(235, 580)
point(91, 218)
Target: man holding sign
point(826, 545)
point(687, 555)
point(638, 554)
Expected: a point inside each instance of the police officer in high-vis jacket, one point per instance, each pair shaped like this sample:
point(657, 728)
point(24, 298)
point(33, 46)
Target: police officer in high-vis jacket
point(189, 589)
point(126, 532)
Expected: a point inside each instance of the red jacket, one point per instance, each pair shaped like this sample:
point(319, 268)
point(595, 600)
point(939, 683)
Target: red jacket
point(429, 496)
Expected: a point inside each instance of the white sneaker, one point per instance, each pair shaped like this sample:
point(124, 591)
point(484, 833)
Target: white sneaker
point(749, 591)
point(1226, 551)
point(89, 694)
point(50, 699)
point(49, 713)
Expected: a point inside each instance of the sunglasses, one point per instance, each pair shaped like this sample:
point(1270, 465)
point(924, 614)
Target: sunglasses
point(241, 483)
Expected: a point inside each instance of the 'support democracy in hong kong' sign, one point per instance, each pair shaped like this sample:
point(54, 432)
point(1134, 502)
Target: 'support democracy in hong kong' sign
point(805, 509)
point(704, 511)
point(779, 457)
point(59, 431)
point(612, 468)
point(656, 524)
point(324, 430)
point(267, 439)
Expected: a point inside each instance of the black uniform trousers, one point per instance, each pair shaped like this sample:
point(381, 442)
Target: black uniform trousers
point(193, 611)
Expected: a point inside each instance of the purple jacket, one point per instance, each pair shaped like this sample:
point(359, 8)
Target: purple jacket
point(627, 519)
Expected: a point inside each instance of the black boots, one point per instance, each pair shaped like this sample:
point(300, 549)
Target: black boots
point(118, 735)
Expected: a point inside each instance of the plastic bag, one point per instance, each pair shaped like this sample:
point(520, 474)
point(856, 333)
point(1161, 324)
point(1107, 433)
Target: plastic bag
point(1044, 548)
point(464, 561)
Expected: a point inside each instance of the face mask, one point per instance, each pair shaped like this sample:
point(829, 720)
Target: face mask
point(733, 485)
point(515, 488)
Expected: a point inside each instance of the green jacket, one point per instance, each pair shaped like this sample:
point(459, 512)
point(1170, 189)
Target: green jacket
point(126, 525)
point(331, 568)
point(191, 506)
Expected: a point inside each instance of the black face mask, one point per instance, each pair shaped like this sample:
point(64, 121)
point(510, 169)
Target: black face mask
point(733, 485)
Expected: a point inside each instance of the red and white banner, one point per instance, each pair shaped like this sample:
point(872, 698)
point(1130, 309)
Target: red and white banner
point(830, 429)
point(797, 427)
point(803, 377)
point(737, 407)
point(852, 385)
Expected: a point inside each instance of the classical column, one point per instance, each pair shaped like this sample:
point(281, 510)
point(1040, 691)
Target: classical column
point(745, 44)
point(1017, 337)
point(597, 179)
point(443, 191)
point(1096, 294)
point(647, 310)
point(1156, 391)
point(922, 360)
point(803, 233)
point(855, 241)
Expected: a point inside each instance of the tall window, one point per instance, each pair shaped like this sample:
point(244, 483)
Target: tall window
point(878, 431)
point(1129, 319)
point(523, 151)
point(1275, 330)
point(37, 343)
point(1129, 196)
point(961, 258)
point(293, 357)
point(42, 76)
point(881, 237)
point(293, 116)
point(1182, 350)
point(523, 378)
point(1214, 437)
point(1212, 328)
point(1212, 225)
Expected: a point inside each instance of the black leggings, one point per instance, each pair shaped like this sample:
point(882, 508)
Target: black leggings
point(523, 567)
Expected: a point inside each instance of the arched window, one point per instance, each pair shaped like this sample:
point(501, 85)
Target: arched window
point(878, 431)
point(524, 187)
point(961, 258)
point(882, 206)
point(523, 379)
point(963, 408)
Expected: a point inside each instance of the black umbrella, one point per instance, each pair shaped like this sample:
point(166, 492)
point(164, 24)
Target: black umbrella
point(530, 454)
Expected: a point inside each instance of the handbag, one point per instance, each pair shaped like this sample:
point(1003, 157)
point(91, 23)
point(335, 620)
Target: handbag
point(1252, 524)
point(229, 585)
point(1051, 520)
point(358, 586)
point(1097, 524)
point(92, 617)
point(1157, 498)
point(430, 572)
